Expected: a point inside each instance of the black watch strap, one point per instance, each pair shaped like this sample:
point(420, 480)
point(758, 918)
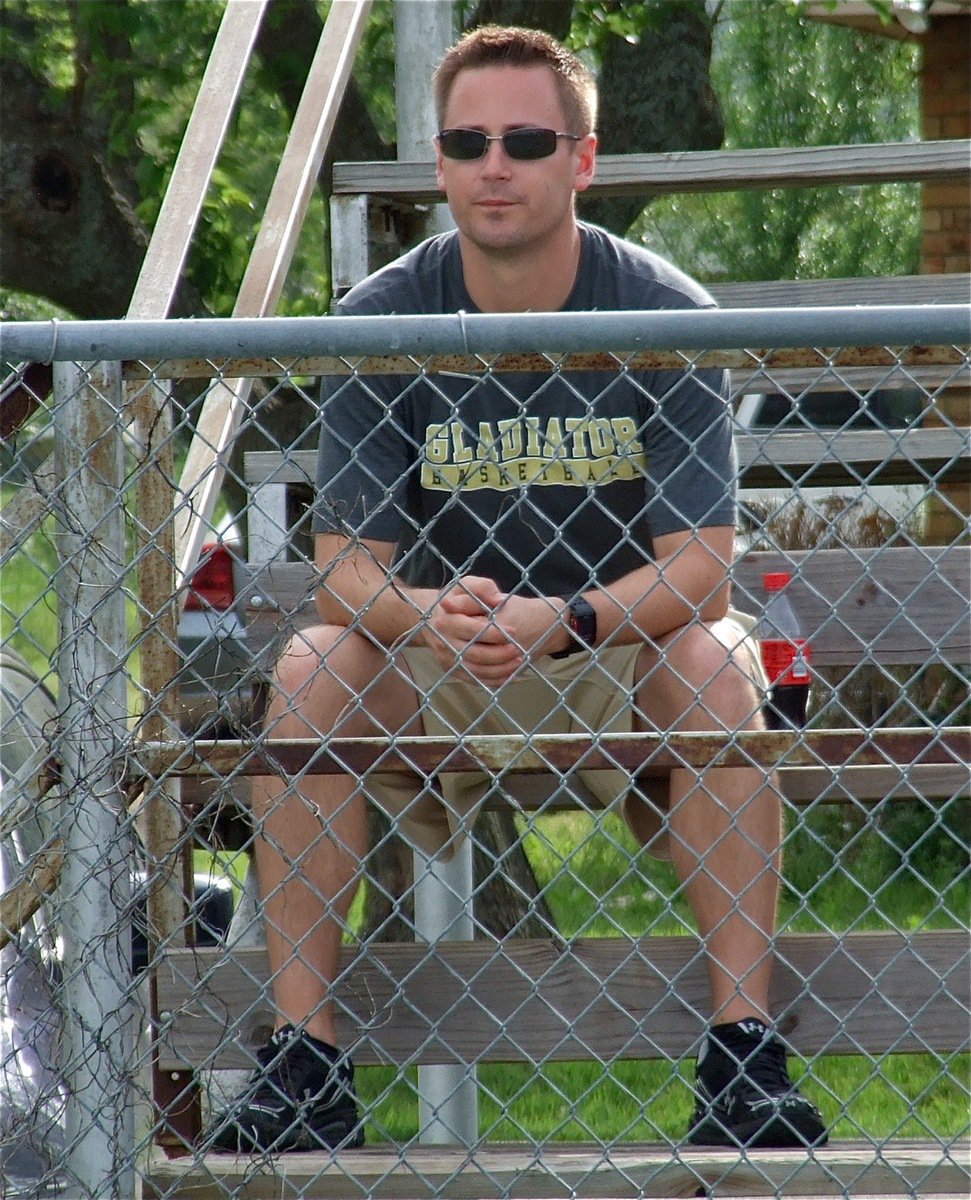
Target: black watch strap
point(582, 620)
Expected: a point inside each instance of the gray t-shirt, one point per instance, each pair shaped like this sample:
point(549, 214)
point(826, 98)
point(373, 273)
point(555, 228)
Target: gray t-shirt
point(545, 482)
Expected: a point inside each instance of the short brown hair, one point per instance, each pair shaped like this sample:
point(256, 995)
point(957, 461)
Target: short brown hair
point(511, 46)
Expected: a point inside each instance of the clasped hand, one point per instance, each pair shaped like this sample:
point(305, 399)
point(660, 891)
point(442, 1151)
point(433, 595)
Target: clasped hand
point(489, 632)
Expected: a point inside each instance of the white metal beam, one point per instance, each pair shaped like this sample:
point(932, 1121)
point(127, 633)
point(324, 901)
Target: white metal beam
point(259, 293)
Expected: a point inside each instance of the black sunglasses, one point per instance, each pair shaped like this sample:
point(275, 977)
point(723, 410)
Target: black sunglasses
point(469, 144)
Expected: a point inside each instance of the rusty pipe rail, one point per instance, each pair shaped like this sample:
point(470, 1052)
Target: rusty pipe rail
point(646, 753)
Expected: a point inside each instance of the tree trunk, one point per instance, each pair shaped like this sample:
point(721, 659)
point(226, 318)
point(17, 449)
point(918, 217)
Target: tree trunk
point(655, 96)
point(67, 233)
point(285, 45)
point(507, 899)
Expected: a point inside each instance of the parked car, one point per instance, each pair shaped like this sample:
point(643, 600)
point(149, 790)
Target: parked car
point(217, 680)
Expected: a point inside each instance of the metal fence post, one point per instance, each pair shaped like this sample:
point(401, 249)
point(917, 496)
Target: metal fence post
point(422, 34)
point(97, 994)
point(447, 1095)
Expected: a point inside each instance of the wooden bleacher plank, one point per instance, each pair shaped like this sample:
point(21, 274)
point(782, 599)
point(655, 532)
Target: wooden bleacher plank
point(900, 605)
point(518, 1170)
point(810, 458)
point(853, 457)
point(683, 172)
point(536, 999)
point(825, 293)
point(894, 605)
point(649, 754)
point(803, 786)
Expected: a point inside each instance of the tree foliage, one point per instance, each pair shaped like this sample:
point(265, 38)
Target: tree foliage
point(101, 93)
point(796, 82)
point(97, 96)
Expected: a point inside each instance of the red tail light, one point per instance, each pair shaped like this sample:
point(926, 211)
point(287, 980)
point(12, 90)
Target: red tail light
point(212, 584)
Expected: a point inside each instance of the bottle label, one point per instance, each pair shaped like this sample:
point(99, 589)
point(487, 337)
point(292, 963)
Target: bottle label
point(786, 662)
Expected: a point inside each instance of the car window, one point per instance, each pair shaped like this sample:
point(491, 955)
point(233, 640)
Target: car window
point(892, 408)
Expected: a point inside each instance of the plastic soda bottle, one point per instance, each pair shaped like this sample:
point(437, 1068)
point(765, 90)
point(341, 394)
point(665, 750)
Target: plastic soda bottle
point(786, 656)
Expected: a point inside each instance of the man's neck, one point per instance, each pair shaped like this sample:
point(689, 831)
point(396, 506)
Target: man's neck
point(533, 280)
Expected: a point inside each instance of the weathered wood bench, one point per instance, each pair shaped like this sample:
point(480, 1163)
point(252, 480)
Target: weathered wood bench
point(383, 196)
point(608, 999)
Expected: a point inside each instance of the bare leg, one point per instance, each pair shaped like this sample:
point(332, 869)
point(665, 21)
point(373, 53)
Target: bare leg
point(725, 823)
point(314, 835)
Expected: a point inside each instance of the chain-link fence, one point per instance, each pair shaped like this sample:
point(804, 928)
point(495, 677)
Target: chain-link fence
point(515, 924)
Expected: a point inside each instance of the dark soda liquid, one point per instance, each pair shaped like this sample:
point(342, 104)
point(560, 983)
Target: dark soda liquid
point(785, 707)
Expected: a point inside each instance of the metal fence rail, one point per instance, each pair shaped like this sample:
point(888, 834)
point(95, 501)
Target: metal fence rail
point(544, 986)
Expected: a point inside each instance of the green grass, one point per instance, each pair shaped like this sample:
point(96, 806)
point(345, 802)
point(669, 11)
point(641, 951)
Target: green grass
point(908, 871)
point(28, 604)
point(895, 1096)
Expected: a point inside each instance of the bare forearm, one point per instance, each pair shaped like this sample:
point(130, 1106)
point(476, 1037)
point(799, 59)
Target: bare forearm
point(359, 589)
point(648, 604)
point(687, 582)
point(492, 632)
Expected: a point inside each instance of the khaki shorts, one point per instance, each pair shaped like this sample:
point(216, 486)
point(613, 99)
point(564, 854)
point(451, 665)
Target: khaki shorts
point(583, 694)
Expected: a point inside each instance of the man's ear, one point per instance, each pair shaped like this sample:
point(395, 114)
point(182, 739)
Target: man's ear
point(439, 166)
point(586, 162)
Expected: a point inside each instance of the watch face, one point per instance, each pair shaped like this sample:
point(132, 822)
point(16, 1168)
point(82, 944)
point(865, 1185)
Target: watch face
point(583, 621)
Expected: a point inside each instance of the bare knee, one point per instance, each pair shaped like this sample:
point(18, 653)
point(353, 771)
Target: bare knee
point(698, 677)
point(305, 652)
point(318, 672)
point(333, 679)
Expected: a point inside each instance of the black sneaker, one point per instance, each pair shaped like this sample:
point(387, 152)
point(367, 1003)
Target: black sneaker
point(744, 1096)
point(301, 1097)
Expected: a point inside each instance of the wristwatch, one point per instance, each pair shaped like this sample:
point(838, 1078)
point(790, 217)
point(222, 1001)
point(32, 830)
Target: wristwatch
point(582, 620)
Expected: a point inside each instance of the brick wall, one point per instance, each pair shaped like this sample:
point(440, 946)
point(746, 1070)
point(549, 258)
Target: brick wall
point(945, 244)
point(946, 113)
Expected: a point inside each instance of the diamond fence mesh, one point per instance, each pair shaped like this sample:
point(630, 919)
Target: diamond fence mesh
point(519, 962)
